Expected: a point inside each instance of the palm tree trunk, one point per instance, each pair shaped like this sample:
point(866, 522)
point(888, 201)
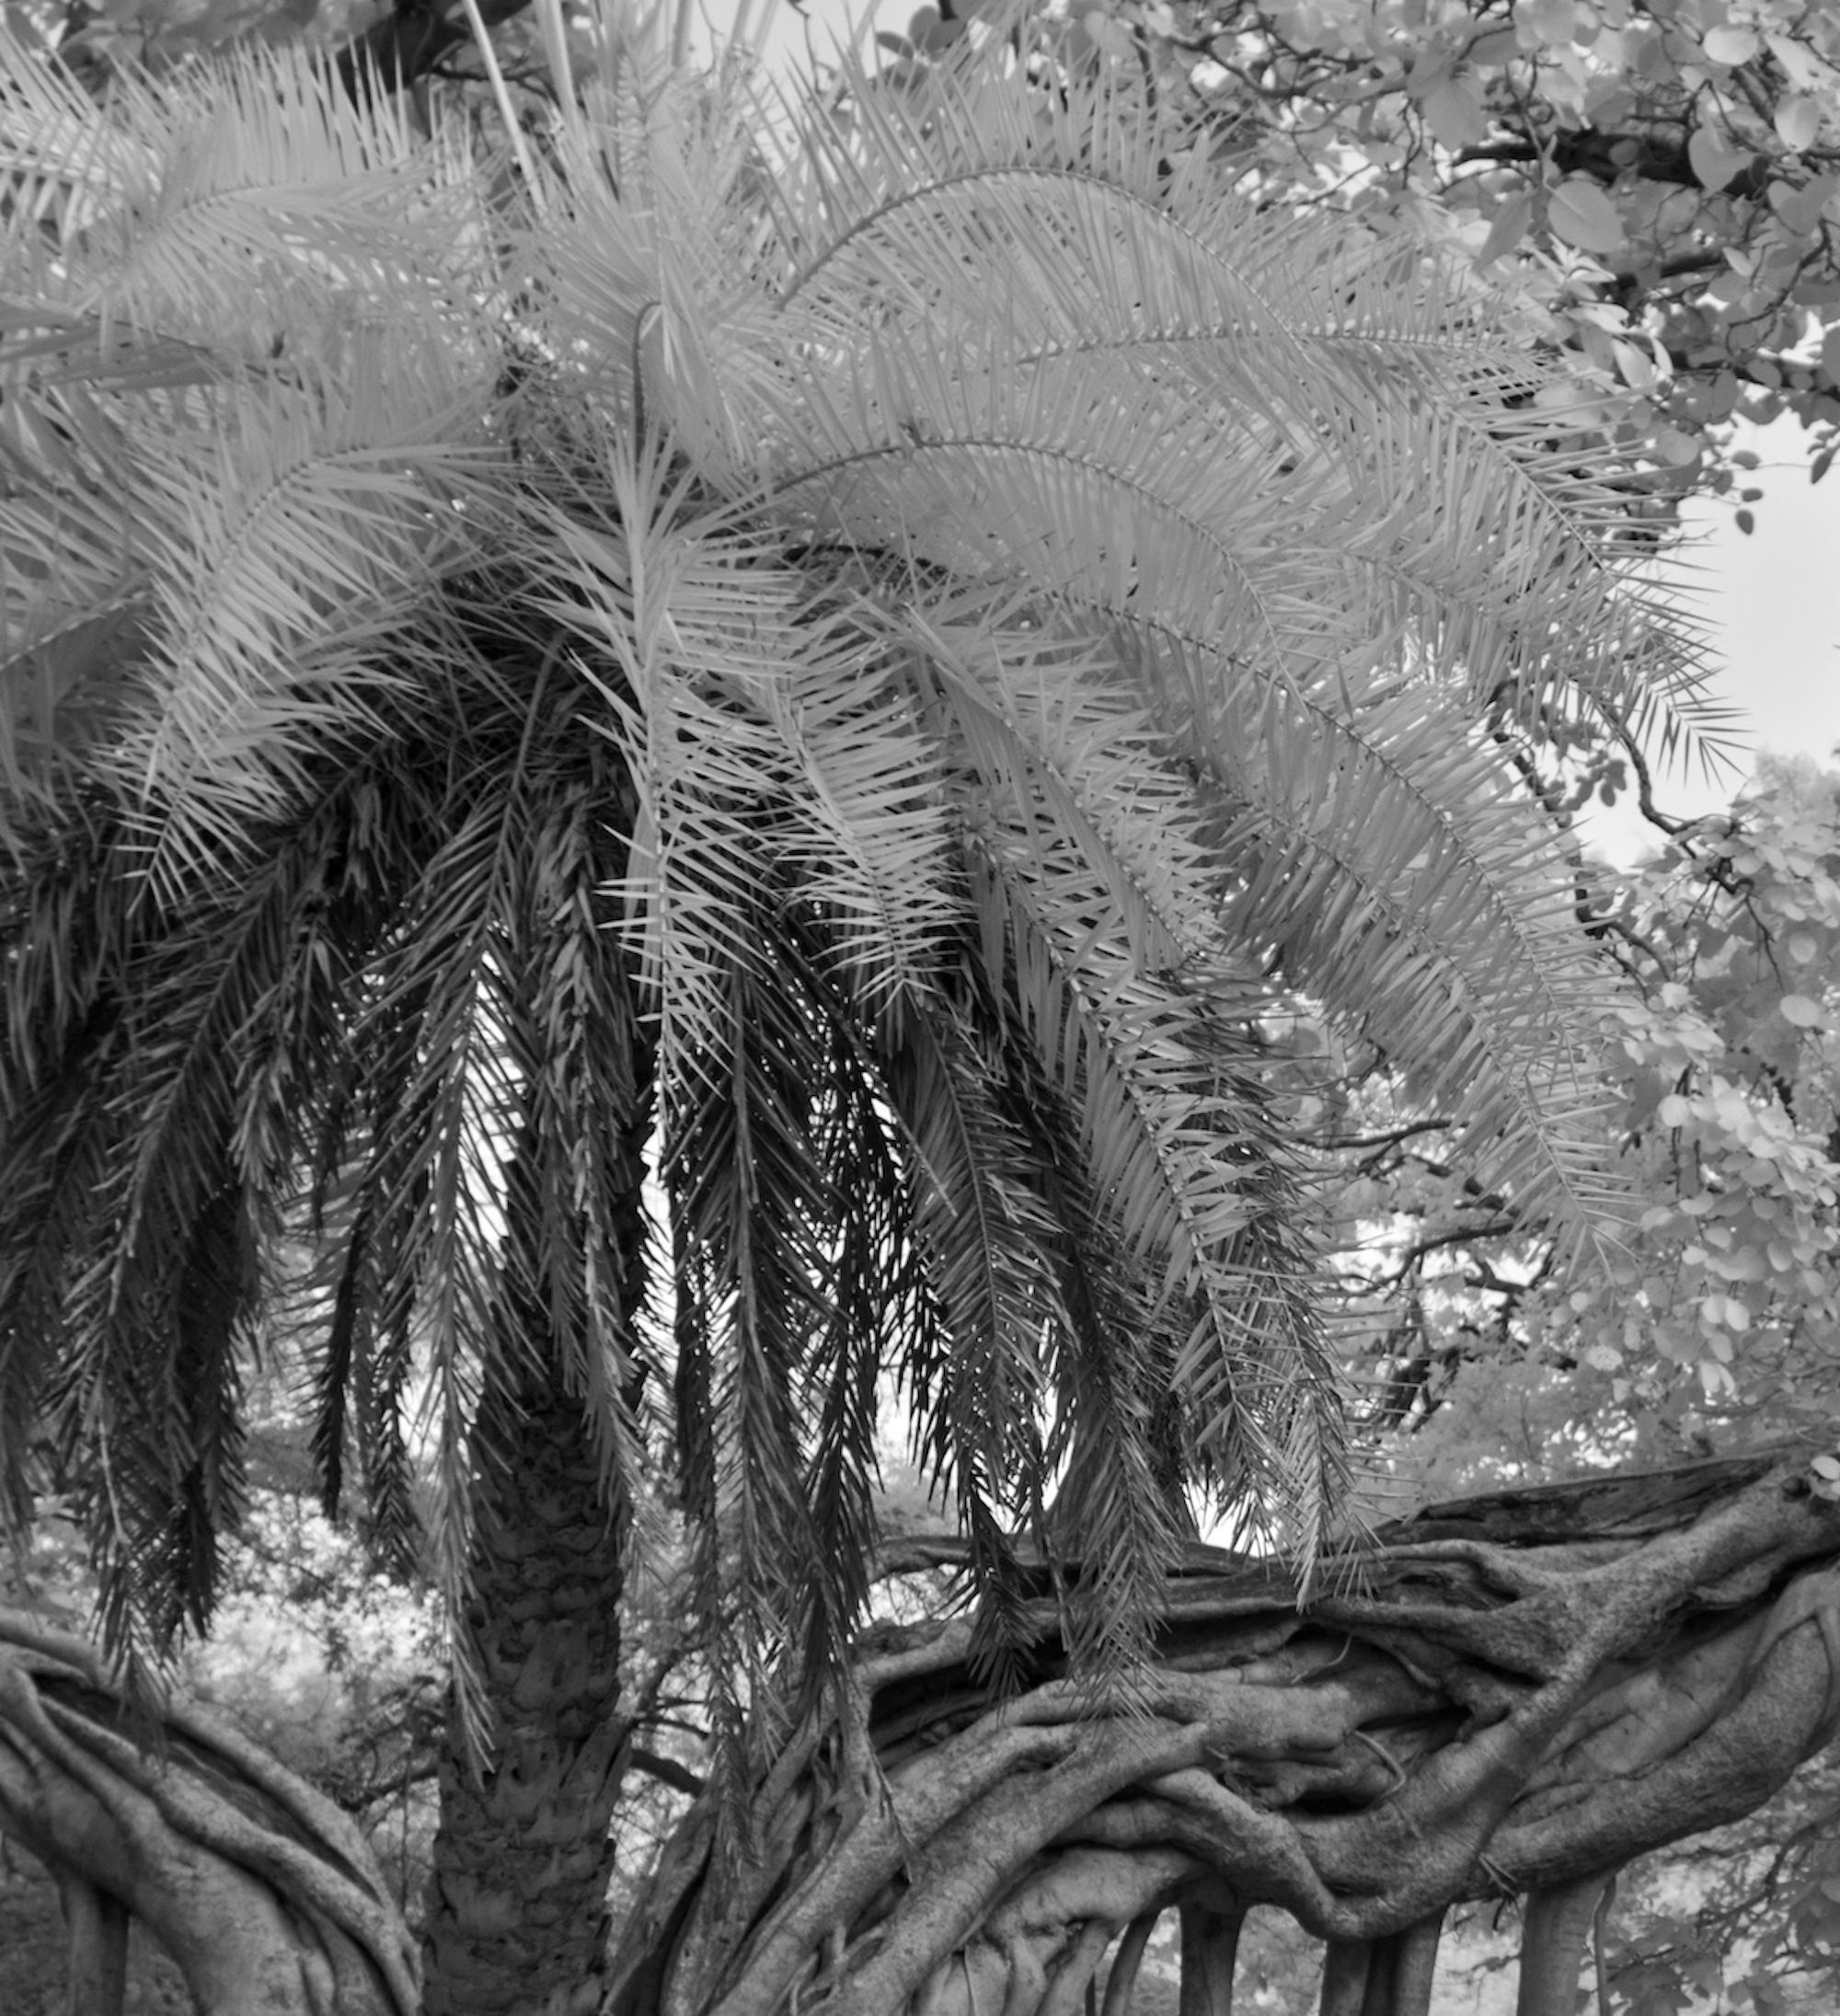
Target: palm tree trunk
point(515, 1923)
point(517, 1896)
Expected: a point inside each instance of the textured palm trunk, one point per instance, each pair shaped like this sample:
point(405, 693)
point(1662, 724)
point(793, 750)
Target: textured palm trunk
point(523, 1857)
point(516, 1922)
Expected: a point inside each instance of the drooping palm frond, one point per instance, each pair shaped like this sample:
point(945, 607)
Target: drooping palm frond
point(1031, 351)
point(290, 503)
point(887, 641)
point(131, 1285)
point(735, 762)
point(996, 331)
point(759, 727)
point(243, 371)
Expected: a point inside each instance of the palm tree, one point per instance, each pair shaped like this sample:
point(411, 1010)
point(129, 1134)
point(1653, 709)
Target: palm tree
point(875, 644)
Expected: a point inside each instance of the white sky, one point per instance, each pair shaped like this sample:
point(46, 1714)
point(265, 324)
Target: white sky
point(1771, 600)
point(1771, 605)
point(1776, 597)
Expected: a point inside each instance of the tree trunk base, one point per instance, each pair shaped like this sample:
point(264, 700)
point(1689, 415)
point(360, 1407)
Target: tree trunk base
point(1519, 1695)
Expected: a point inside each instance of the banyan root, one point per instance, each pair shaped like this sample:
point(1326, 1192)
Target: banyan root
point(1555, 1932)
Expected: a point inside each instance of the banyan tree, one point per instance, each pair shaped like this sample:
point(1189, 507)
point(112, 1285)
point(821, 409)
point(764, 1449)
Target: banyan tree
point(1510, 1697)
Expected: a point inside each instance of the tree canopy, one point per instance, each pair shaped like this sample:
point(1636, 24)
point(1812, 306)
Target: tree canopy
point(1125, 613)
point(1658, 180)
point(910, 642)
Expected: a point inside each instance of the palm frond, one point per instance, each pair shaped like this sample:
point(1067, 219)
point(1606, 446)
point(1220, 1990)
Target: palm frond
point(584, 1060)
point(297, 503)
point(971, 1358)
point(199, 204)
point(762, 728)
point(892, 642)
point(740, 1167)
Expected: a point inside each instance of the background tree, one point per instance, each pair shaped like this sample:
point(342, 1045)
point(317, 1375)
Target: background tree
point(1712, 1328)
point(1716, 1324)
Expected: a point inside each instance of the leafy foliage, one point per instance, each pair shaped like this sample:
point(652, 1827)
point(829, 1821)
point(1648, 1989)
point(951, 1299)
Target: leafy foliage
point(1715, 1322)
point(891, 643)
point(1658, 182)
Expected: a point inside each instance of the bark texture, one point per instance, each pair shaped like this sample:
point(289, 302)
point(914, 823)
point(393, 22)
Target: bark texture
point(1514, 1696)
point(265, 1894)
point(516, 1918)
point(515, 1922)
point(1510, 1696)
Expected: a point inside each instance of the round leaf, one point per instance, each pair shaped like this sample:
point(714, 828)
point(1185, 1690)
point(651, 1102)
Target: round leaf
point(1799, 121)
point(1554, 21)
point(1731, 45)
point(1508, 229)
point(1581, 214)
point(1714, 162)
point(1798, 1008)
point(1105, 33)
point(1453, 112)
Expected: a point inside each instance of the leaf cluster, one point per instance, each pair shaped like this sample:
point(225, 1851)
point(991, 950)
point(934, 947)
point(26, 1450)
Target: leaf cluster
point(1660, 184)
point(1714, 1319)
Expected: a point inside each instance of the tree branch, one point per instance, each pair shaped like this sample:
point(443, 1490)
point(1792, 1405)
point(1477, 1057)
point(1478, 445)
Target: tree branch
point(409, 43)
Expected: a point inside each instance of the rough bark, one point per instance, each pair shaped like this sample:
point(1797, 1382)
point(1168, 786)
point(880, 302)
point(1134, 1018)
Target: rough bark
point(98, 1925)
point(1510, 1696)
point(1210, 1951)
point(1558, 1932)
point(516, 1918)
point(515, 1922)
point(265, 1894)
point(1518, 1695)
